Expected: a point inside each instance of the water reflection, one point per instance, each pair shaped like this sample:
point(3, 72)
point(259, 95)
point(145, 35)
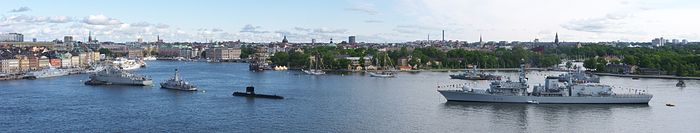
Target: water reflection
point(543, 117)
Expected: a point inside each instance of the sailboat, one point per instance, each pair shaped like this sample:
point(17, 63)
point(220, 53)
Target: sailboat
point(383, 73)
point(313, 67)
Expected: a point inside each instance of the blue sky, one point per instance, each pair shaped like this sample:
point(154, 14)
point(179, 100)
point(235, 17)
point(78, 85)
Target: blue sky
point(371, 21)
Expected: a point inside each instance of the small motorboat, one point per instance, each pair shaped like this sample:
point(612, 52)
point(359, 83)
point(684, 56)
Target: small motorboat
point(670, 104)
point(680, 83)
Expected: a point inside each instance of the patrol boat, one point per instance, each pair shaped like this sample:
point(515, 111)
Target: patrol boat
point(46, 73)
point(176, 83)
point(579, 76)
point(115, 76)
point(550, 93)
point(475, 75)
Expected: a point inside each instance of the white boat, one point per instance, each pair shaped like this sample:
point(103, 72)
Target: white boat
point(150, 58)
point(387, 70)
point(383, 74)
point(46, 73)
point(126, 64)
point(95, 69)
point(314, 72)
point(314, 68)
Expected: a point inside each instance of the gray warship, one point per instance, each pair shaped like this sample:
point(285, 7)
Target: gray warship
point(579, 76)
point(115, 76)
point(551, 93)
point(475, 75)
point(176, 83)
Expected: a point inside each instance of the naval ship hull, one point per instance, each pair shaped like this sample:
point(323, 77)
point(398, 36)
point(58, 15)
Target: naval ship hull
point(118, 81)
point(458, 95)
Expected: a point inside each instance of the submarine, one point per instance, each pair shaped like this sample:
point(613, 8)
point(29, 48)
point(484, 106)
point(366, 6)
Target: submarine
point(250, 92)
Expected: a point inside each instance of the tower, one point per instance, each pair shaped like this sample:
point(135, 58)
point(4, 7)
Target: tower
point(284, 40)
point(556, 38)
point(89, 36)
point(480, 40)
point(443, 35)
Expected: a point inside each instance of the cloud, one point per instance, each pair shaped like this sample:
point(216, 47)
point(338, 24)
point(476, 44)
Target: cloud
point(249, 28)
point(141, 24)
point(329, 31)
point(20, 9)
point(24, 20)
point(373, 21)
point(413, 29)
point(100, 20)
point(364, 8)
point(162, 26)
point(302, 29)
point(609, 23)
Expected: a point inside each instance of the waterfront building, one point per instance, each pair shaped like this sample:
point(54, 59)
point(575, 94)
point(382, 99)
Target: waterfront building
point(11, 37)
point(186, 53)
point(220, 54)
point(93, 56)
point(9, 65)
point(33, 63)
point(23, 63)
point(84, 61)
point(116, 49)
point(44, 63)
point(135, 53)
point(55, 63)
point(66, 63)
point(75, 61)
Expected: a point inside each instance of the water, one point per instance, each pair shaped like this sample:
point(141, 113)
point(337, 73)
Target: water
point(327, 103)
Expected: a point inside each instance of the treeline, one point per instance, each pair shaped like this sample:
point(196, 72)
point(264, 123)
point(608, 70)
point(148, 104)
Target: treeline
point(675, 60)
point(423, 58)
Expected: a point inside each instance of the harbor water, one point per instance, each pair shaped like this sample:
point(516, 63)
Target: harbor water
point(350, 102)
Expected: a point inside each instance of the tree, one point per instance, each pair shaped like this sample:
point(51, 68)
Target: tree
point(590, 63)
point(342, 63)
point(105, 51)
point(600, 64)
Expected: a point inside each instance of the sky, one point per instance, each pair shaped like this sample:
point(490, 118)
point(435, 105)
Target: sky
point(370, 20)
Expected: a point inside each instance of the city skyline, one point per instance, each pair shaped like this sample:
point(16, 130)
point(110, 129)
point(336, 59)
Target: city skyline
point(369, 21)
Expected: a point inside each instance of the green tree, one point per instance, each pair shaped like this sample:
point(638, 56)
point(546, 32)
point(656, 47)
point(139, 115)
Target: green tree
point(105, 51)
point(590, 63)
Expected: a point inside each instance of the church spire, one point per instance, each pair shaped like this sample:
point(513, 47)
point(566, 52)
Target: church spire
point(481, 41)
point(556, 38)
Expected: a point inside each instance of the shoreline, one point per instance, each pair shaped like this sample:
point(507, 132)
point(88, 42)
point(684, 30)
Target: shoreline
point(648, 76)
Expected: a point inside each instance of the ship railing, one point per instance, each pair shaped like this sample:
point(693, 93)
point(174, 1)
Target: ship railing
point(637, 95)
